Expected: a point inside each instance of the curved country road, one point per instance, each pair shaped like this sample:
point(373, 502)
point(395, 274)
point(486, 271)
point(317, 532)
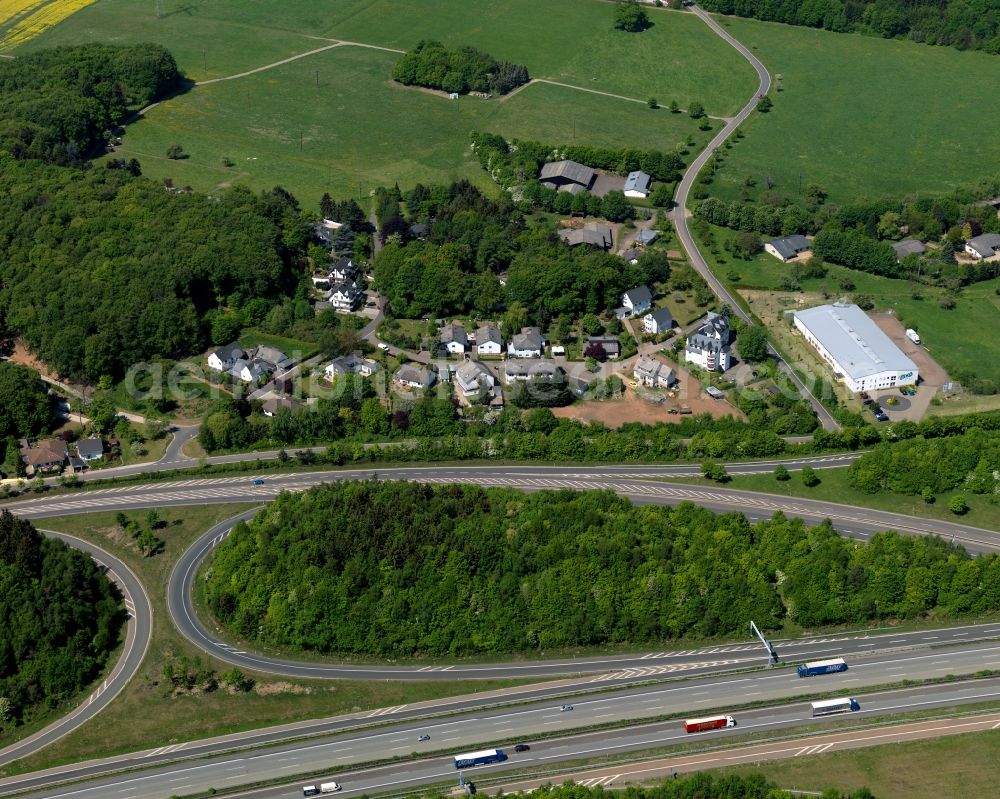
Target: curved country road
point(139, 633)
point(680, 213)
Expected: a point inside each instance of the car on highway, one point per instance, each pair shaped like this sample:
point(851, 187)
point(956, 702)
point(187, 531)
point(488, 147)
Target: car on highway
point(564, 708)
point(423, 737)
point(323, 787)
point(522, 748)
point(258, 482)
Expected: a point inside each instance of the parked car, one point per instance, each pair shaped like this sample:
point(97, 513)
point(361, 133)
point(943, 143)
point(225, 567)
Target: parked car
point(864, 395)
point(522, 748)
point(383, 346)
point(881, 417)
point(868, 401)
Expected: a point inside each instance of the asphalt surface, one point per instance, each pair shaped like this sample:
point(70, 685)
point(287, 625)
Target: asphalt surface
point(138, 635)
point(334, 756)
point(681, 210)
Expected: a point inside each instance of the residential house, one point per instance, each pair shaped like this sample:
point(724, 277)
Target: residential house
point(273, 359)
point(908, 247)
point(787, 248)
point(611, 346)
point(514, 371)
point(343, 269)
point(224, 358)
point(249, 371)
point(567, 176)
point(411, 376)
point(637, 300)
point(454, 338)
point(345, 296)
point(352, 364)
point(658, 321)
point(473, 380)
point(646, 236)
point(46, 457)
point(529, 343)
point(653, 373)
point(323, 231)
point(259, 364)
point(275, 404)
point(489, 340)
point(983, 247)
point(592, 234)
point(637, 184)
point(632, 255)
point(708, 346)
point(90, 450)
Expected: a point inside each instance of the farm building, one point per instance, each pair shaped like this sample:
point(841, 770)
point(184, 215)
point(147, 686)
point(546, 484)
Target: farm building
point(787, 248)
point(637, 185)
point(567, 176)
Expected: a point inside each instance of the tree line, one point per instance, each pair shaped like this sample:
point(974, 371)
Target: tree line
point(395, 569)
point(57, 105)
point(459, 71)
point(25, 409)
point(60, 619)
point(965, 24)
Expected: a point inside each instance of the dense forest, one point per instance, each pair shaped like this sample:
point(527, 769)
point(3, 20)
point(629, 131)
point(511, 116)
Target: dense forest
point(57, 105)
point(691, 786)
point(102, 270)
point(460, 71)
point(59, 621)
point(400, 569)
point(24, 402)
point(472, 239)
point(965, 24)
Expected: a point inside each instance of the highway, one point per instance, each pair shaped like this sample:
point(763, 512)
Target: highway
point(335, 755)
point(139, 632)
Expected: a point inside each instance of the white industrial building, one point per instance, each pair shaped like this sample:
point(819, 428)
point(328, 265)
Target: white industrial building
point(860, 354)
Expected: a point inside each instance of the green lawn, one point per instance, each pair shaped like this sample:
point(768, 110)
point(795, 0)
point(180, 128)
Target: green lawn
point(358, 130)
point(863, 116)
point(834, 486)
point(566, 40)
point(945, 768)
point(975, 317)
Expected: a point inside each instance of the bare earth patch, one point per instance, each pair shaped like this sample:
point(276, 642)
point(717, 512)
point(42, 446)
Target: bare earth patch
point(633, 408)
point(273, 688)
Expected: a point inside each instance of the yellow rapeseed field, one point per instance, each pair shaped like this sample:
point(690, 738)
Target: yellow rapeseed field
point(31, 17)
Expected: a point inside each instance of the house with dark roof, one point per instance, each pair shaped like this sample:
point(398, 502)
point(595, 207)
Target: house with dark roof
point(489, 340)
point(708, 346)
point(631, 255)
point(275, 404)
point(788, 247)
point(984, 247)
point(352, 364)
point(611, 346)
point(592, 234)
point(567, 176)
point(454, 338)
point(529, 343)
point(658, 321)
point(637, 184)
point(473, 380)
point(90, 449)
point(637, 300)
point(345, 296)
point(646, 236)
point(323, 231)
point(908, 247)
point(514, 371)
point(224, 358)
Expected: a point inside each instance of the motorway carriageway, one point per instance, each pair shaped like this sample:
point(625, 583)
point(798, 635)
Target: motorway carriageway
point(502, 727)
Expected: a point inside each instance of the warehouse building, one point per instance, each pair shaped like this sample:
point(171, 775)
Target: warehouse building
point(860, 354)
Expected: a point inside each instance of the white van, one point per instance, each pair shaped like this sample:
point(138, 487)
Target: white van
point(323, 787)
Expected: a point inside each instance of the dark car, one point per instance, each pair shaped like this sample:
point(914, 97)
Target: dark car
point(875, 408)
point(564, 708)
point(864, 395)
point(522, 748)
point(867, 401)
point(258, 482)
point(881, 417)
point(423, 738)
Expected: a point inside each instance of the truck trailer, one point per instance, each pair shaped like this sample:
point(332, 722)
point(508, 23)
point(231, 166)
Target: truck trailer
point(822, 667)
point(709, 723)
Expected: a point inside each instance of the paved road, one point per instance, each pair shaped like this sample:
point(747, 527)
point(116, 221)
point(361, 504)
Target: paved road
point(137, 638)
point(641, 484)
point(680, 213)
point(337, 755)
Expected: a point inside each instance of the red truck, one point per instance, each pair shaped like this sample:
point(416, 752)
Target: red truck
point(710, 723)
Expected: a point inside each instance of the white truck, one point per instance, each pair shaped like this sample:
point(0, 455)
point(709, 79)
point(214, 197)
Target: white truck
point(912, 335)
point(324, 787)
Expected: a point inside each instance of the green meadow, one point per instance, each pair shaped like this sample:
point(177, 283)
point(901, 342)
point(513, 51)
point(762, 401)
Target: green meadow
point(352, 129)
point(865, 117)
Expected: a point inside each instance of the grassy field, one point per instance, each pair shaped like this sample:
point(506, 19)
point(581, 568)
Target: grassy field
point(148, 714)
point(945, 768)
point(864, 117)
point(567, 40)
point(835, 487)
point(358, 130)
point(942, 331)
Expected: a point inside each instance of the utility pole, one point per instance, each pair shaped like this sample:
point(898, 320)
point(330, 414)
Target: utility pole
point(772, 655)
